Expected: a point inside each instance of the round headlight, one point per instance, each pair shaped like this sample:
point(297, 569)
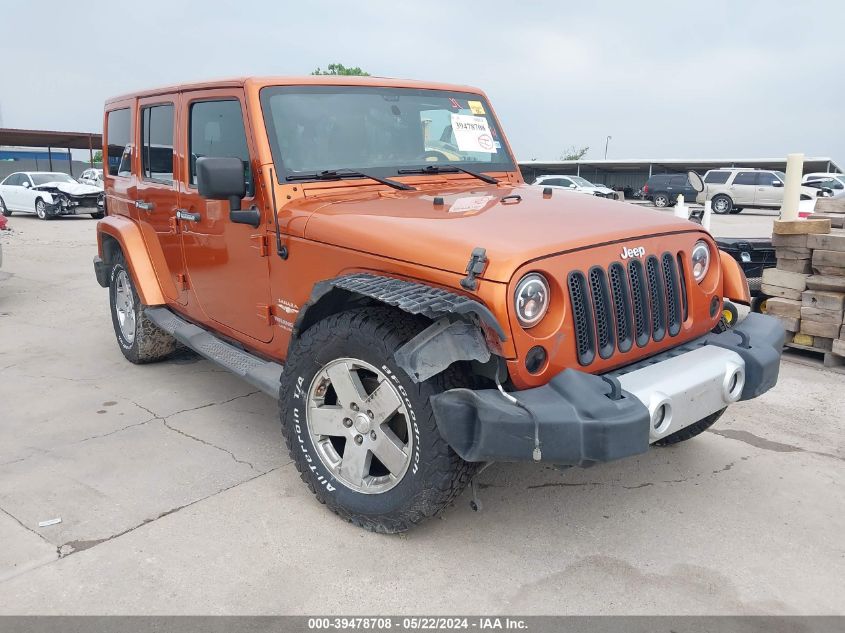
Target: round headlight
point(700, 260)
point(531, 299)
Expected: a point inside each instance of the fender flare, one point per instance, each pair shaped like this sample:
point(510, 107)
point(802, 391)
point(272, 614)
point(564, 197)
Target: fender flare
point(131, 241)
point(734, 283)
point(462, 328)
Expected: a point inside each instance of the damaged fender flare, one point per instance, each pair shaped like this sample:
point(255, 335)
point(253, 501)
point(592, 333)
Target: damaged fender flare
point(463, 328)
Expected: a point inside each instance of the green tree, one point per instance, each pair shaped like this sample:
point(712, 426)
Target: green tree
point(340, 69)
point(573, 153)
point(98, 156)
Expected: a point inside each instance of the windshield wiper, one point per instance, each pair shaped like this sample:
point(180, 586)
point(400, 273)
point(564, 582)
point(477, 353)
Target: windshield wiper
point(447, 169)
point(337, 174)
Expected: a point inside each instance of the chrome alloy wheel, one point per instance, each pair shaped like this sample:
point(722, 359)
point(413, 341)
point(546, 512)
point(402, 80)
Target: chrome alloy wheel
point(124, 306)
point(41, 210)
point(360, 425)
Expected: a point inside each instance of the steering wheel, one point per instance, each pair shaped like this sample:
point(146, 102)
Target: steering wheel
point(433, 153)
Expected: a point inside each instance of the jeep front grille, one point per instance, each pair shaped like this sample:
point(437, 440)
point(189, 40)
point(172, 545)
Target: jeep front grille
point(615, 308)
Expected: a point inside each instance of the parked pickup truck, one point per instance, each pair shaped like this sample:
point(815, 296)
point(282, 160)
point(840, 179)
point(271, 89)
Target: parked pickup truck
point(417, 313)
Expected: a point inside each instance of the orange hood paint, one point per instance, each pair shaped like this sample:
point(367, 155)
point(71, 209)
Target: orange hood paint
point(409, 227)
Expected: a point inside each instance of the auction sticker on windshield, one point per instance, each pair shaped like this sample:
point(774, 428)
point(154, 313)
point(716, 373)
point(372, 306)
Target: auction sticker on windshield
point(472, 134)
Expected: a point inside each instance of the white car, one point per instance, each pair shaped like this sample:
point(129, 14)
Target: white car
point(575, 183)
point(48, 195)
point(93, 177)
point(820, 175)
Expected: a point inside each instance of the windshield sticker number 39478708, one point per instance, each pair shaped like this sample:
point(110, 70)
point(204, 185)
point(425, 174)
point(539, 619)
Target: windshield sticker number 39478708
point(472, 134)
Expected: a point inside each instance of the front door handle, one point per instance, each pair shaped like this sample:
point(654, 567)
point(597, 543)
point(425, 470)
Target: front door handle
point(144, 205)
point(184, 214)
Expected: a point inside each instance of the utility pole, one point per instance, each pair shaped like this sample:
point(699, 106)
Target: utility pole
point(606, 143)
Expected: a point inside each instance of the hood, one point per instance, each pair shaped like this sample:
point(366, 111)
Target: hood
point(70, 188)
point(407, 226)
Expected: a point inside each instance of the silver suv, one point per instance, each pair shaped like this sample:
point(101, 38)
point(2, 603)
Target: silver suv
point(732, 190)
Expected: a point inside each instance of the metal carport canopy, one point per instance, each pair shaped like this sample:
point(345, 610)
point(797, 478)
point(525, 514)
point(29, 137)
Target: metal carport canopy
point(48, 138)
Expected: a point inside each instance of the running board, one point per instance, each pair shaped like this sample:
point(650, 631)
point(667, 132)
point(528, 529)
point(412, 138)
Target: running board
point(264, 375)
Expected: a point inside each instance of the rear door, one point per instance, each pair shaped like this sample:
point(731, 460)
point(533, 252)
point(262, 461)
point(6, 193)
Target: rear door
point(743, 188)
point(157, 194)
point(227, 264)
point(11, 192)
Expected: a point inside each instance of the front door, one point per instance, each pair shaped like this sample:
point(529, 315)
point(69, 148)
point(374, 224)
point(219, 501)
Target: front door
point(767, 193)
point(743, 188)
point(157, 195)
point(228, 264)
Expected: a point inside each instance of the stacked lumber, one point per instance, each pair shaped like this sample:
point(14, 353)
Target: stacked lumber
point(807, 288)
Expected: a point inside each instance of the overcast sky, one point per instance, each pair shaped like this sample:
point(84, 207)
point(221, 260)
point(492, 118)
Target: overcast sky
point(709, 79)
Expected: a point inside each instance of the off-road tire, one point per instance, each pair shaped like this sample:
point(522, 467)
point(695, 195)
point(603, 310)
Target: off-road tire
point(689, 432)
point(150, 344)
point(4, 209)
point(661, 200)
point(723, 202)
point(436, 475)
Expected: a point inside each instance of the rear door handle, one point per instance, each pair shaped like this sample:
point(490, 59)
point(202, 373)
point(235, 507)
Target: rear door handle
point(146, 206)
point(184, 214)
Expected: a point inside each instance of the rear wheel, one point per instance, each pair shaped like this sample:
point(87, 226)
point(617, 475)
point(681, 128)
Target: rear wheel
point(139, 339)
point(759, 304)
point(722, 204)
point(661, 200)
point(362, 434)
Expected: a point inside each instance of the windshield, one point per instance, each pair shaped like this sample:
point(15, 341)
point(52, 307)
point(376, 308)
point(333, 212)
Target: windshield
point(40, 179)
point(780, 175)
point(379, 130)
point(581, 182)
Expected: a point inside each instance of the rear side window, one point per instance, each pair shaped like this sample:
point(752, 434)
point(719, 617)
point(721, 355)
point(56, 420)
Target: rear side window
point(157, 143)
point(217, 129)
point(118, 137)
point(717, 177)
point(678, 181)
point(746, 178)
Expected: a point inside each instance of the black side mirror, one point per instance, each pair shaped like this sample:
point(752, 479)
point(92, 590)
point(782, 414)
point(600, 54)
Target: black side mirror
point(220, 178)
point(777, 183)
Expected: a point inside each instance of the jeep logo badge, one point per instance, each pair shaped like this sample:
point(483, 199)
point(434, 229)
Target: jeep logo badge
point(628, 253)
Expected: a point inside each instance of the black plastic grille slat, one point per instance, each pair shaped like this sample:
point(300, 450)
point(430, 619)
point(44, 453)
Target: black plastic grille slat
point(656, 298)
point(621, 307)
point(639, 296)
point(603, 312)
point(683, 283)
point(673, 300)
point(582, 318)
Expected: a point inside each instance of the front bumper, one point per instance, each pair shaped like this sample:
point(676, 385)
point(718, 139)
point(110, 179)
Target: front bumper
point(581, 419)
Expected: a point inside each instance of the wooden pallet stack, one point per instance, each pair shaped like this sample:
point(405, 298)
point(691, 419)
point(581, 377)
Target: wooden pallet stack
point(807, 288)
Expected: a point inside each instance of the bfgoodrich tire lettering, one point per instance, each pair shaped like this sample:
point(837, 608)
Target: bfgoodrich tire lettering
point(140, 341)
point(434, 476)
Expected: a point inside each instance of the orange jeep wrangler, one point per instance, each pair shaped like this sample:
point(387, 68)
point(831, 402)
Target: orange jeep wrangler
point(366, 251)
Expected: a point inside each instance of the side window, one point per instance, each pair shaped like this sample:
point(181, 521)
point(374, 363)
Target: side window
point(717, 177)
point(746, 178)
point(565, 182)
point(118, 137)
point(157, 143)
point(678, 181)
point(766, 178)
point(14, 180)
point(551, 182)
point(217, 129)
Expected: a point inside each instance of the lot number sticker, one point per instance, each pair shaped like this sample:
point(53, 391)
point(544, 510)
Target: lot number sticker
point(472, 133)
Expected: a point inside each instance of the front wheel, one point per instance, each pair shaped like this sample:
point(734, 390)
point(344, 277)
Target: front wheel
point(691, 431)
point(361, 433)
point(4, 208)
point(41, 210)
